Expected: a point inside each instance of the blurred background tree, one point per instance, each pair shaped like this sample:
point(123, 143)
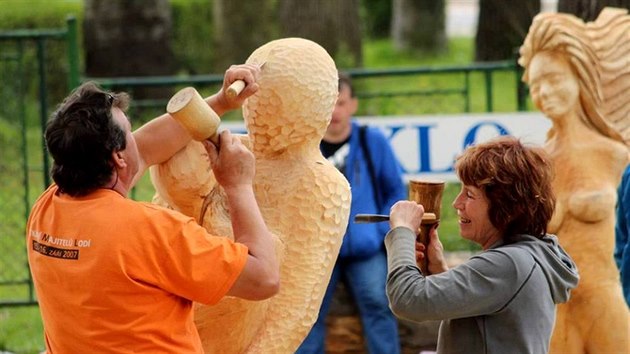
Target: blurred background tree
point(129, 38)
point(502, 27)
point(335, 25)
point(419, 25)
point(238, 30)
point(377, 18)
point(588, 10)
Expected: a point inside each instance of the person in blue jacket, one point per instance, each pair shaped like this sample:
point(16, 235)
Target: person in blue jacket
point(363, 154)
point(622, 234)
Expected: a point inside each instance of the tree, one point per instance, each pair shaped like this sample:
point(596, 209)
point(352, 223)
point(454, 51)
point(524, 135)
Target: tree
point(377, 18)
point(239, 30)
point(502, 27)
point(588, 10)
point(334, 25)
point(419, 24)
point(129, 38)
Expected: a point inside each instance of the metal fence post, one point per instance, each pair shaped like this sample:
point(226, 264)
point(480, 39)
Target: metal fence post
point(73, 53)
point(43, 103)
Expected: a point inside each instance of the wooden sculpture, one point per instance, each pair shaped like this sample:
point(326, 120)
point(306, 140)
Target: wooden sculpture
point(304, 199)
point(579, 77)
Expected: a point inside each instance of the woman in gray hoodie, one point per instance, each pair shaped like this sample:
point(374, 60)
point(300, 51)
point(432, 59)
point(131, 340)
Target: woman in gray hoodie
point(503, 299)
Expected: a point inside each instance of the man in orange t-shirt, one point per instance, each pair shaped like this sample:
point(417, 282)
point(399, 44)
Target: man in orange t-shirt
point(116, 275)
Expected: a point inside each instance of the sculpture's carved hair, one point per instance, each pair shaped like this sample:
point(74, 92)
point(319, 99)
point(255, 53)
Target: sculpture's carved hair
point(516, 179)
point(589, 50)
point(610, 35)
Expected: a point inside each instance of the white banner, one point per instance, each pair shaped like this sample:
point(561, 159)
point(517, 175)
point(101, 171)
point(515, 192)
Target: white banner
point(427, 145)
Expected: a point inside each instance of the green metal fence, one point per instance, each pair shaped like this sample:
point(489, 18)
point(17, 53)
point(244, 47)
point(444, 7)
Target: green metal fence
point(408, 91)
point(24, 95)
point(25, 89)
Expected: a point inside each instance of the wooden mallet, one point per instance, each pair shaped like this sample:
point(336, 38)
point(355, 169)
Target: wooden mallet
point(429, 194)
point(193, 112)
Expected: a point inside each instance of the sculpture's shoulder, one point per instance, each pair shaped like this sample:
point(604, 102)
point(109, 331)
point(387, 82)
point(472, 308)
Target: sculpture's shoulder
point(329, 179)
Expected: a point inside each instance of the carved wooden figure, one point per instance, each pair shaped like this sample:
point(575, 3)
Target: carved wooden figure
point(304, 200)
point(579, 77)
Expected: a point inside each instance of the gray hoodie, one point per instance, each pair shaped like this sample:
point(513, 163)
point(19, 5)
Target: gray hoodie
point(499, 301)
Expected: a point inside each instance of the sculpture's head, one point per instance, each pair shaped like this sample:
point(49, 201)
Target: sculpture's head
point(298, 90)
point(562, 70)
point(557, 50)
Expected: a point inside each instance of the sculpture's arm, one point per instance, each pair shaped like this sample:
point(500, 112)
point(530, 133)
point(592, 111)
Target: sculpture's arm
point(185, 179)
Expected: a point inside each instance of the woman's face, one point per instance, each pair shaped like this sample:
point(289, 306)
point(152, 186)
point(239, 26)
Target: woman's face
point(553, 86)
point(474, 223)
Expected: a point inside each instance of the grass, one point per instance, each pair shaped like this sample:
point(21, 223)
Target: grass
point(21, 328)
point(380, 54)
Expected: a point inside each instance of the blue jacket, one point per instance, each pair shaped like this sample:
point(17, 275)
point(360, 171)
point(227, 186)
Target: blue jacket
point(622, 234)
point(363, 240)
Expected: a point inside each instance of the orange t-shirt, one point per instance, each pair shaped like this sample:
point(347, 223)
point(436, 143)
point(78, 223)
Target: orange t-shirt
point(116, 275)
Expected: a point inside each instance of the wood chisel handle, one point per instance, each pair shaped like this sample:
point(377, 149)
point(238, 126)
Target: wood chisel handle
point(237, 87)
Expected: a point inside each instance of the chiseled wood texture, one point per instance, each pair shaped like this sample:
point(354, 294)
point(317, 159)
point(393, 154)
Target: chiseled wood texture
point(304, 200)
point(579, 77)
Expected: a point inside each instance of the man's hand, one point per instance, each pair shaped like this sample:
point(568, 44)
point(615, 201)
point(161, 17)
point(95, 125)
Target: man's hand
point(232, 163)
point(221, 102)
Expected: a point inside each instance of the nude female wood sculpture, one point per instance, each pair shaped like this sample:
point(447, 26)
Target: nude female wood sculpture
point(579, 77)
point(305, 201)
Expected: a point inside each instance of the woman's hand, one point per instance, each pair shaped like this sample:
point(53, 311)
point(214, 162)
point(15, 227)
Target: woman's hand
point(436, 262)
point(407, 214)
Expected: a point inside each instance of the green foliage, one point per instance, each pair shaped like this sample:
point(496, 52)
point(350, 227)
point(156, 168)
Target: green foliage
point(31, 14)
point(193, 35)
point(381, 54)
point(21, 331)
point(377, 17)
point(39, 15)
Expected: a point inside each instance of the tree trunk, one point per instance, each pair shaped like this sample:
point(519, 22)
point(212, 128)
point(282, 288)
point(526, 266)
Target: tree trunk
point(129, 38)
point(334, 25)
point(419, 24)
point(588, 10)
point(239, 30)
point(502, 27)
point(378, 18)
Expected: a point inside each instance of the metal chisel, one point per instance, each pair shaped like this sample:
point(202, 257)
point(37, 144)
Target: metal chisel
point(369, 218)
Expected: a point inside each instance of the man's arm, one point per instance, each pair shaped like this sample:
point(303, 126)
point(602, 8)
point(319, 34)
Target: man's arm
point(159, 139)
point(233, 166)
